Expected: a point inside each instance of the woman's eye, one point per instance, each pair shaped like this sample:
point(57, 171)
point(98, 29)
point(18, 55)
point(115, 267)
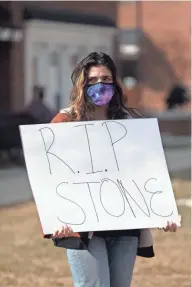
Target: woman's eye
point(107, 79)
point(92, 81)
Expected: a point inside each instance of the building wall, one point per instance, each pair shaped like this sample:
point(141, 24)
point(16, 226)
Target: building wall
point(16, 78)
point(105, 8)
point(4, 74)
point(52, 50)
point(165, 57)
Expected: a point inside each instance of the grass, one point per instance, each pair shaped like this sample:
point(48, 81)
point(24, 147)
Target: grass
point(27, 260)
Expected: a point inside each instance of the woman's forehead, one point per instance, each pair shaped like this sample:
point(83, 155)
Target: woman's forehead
point(99, 71)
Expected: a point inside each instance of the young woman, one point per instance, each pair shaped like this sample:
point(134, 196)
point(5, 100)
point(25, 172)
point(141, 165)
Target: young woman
point(107, 258)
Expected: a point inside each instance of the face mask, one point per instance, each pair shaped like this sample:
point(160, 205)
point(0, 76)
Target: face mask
point(101, 93)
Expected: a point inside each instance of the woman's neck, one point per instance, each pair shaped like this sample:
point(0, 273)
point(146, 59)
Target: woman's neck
point(100, 113)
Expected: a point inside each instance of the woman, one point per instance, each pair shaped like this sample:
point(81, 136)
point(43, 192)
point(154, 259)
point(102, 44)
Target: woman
point(104, 258)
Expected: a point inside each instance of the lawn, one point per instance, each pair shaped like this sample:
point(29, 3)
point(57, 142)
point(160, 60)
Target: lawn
point(27, 260)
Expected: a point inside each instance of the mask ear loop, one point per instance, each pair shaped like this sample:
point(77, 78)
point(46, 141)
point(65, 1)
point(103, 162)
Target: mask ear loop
point(115, 108)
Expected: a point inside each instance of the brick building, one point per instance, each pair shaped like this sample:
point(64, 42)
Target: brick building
point(155, 47)
point(40, 42)
point(153, 39)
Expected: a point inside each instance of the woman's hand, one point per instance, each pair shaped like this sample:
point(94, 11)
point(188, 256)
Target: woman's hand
point(171, 227)
point(66, 231)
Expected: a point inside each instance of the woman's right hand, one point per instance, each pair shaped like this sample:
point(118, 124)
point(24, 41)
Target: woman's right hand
point(65, 231)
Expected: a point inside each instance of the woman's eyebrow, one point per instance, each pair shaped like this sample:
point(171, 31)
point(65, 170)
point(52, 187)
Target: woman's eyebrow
point(103, 76)
point(93, 77)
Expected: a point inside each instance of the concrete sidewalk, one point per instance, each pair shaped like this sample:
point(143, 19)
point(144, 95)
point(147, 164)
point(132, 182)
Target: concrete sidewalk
point(14, 186)
point(178, 159)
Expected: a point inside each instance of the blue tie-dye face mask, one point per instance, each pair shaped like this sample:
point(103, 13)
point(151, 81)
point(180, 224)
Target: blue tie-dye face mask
point(101, 93)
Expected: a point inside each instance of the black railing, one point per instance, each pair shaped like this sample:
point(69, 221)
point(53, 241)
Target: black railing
point(5, 13)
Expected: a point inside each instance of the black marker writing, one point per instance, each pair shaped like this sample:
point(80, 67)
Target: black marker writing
point(89, 147)
point(84, 215)
point(112, 141)
point(125, 195)
point(153, 194)
point(125, 191)
point(88, 185)
point(47, 149)
point(106, 180)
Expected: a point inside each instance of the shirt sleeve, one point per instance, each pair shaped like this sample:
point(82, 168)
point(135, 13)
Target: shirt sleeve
point(60, 118)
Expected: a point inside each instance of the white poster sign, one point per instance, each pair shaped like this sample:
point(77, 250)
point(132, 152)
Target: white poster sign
point(99, 175)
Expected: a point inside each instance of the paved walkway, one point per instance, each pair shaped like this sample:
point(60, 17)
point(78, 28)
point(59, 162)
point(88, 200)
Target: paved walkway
point(178, 159)
point(15, 188)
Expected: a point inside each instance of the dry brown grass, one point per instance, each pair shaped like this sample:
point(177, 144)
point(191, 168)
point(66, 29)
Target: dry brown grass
point(182, 188)
point(27, 260)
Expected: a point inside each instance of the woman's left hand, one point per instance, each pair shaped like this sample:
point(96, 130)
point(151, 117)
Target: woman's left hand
point(172, 227)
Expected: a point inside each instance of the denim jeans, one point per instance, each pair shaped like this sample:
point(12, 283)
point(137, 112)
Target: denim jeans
point(108, 262)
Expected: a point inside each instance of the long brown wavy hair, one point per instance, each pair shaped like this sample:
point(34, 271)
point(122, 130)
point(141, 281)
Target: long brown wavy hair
point(80, 105)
